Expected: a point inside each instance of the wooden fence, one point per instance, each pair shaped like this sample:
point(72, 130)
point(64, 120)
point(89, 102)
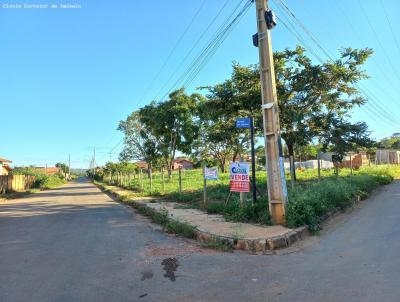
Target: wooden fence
point(16, 183)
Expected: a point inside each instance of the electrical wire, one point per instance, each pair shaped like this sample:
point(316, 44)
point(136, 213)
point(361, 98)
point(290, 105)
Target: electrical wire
point(177, 43)
point(390, 26)
point(176, 70)
point(200, 61)
point(378, 40)
point(378, 109)
point(373, 58)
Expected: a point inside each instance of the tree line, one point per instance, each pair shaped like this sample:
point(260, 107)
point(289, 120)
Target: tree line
point(315, 104)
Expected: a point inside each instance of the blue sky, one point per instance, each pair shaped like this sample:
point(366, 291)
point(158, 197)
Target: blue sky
point(67, 76)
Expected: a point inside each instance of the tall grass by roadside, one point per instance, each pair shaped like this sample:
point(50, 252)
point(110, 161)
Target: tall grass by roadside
point(309, 203)
point(309, 200)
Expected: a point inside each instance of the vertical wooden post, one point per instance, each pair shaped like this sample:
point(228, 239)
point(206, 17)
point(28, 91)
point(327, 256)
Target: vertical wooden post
point(319, 165)
point(163, 180)
point(242, 195)
point(204, 186)
point(140, 179)
point(292, 169)
point(151, 179)
point(180, 180)
point(351, 165)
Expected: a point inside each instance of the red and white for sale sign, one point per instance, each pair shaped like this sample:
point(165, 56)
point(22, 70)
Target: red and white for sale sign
point(240, 179)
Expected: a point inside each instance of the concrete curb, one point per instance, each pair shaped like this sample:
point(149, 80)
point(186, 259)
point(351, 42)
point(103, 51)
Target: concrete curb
point(255, 246)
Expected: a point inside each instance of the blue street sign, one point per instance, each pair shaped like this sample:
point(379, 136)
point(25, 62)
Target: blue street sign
point(244, 122)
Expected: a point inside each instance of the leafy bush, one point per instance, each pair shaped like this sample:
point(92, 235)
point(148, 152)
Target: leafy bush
point(42, 180)
point(249, 212)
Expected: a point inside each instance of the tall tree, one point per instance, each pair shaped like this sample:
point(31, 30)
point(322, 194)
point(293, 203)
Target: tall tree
point(172, 124)
point(63, 167)
point(343, 136)
point(139, 144)
point(239, 96)
point(308, 93)
point(392, 142)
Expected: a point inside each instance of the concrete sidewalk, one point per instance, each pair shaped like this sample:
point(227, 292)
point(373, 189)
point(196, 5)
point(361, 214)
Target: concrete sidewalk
point(243, 236)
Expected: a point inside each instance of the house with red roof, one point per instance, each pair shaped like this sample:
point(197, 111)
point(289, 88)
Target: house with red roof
point(5, 169)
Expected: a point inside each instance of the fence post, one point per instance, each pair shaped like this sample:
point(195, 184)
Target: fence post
point(351, 165)
point(151, 179)
point(292, 170)
point(242, 195)
point(204, 186)
point(140, 179)
point(319, 165)
point(180, 180)
point(163, 180)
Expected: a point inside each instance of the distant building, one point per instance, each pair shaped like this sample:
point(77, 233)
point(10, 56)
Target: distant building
point(355, 160)
point(142, 165)
point(386, 156)
point(5, 169)
point(184, 164)
point(46, 170)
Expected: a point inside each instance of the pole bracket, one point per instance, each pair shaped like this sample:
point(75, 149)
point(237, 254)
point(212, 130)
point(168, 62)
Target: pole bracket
point(267, 105)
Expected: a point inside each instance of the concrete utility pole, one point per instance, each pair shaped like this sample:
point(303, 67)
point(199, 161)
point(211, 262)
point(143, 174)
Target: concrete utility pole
point(277, 191)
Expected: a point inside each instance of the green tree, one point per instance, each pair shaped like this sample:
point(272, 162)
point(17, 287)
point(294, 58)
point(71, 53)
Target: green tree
point(63, 167)
point(308, 93)
point(239, 96)
point(392, 142)
point(139, 144)
point(172, 124)
point(342, 136)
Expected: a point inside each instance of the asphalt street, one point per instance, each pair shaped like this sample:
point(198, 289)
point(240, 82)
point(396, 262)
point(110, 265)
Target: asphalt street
point(75, 244)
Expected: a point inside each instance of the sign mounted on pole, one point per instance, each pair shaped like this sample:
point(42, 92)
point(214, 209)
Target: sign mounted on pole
point(211, 173)
point(240, 180)
point(243, 122)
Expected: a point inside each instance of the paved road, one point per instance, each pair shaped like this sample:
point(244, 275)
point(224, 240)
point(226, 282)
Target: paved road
point(75, 244)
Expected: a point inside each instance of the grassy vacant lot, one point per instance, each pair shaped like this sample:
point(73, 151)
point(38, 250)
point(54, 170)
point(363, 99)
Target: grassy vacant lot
point(309, 200)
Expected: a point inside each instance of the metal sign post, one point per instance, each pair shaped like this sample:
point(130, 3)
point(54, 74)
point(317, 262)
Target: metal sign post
point(248, 123)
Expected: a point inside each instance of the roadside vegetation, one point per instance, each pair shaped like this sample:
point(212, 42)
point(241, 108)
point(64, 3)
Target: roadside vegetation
point(315, 102)
point(309, 201)
point(42, 181)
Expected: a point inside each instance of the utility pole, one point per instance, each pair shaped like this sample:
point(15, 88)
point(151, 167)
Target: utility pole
point(277, 191)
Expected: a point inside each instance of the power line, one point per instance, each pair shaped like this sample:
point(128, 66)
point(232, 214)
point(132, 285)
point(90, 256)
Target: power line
point(177, 43)
point(385, 115)
point(301, 40)
point(378, 40)
point(390, 26)
point(193, 47)
point(199, 62)
point(373, 58)
point(224, 35)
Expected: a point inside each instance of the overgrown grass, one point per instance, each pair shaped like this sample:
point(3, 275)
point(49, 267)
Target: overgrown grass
point(49, 182)
point(309, 200)
point(309, 203)
point(218, 244)
point(169, 225)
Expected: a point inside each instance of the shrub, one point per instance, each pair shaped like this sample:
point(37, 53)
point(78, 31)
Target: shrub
point(248, 212)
